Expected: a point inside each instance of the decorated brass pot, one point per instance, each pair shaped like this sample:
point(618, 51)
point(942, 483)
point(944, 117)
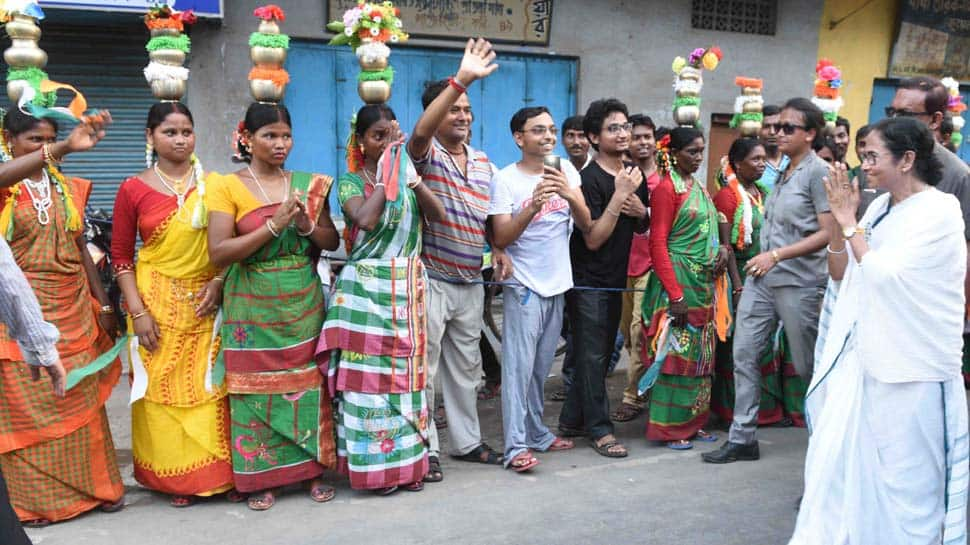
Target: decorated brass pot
point(169, 88)
point(24, 53)
point(269, 27)
point(374, 92)
point(265, 90)
point(690, 73)
point(23, 27)
point(372, 65)
point(157, 32)
point(173, 57)
point(687, 115)
point(749, 127)
point(270, 57)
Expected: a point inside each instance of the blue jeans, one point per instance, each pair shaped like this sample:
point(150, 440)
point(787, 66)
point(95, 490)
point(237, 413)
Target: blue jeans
point(530, 332)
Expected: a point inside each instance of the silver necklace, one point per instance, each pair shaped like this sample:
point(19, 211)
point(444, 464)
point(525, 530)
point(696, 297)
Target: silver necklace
point(179, 196)
point(259, 185)
point(40, 196)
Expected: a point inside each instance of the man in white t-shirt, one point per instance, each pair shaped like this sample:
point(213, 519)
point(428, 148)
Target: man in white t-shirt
point(532, 212)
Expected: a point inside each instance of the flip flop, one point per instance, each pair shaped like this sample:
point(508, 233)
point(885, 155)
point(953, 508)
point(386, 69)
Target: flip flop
point(491, 457)
point(523, 461)
point(560, 443)
point(705, 437)
point(680, 445)
point(262, 501)
point(322, 493)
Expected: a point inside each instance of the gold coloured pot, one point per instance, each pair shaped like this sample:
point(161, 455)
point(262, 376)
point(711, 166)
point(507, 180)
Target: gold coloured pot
point(23, 27)
point(748, 127)
point(269, 57)
point(269, 27)
point(24, 53)
point(172, 57)
point(751, 107)
point(372, 65)
point(156, 32)
point(15, 89)
point(265, 90)
point(168, 89)
point(690, 73)
point(687, 115)
point(374, 92)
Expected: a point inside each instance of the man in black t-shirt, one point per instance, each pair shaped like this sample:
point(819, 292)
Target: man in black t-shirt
point(617, 201)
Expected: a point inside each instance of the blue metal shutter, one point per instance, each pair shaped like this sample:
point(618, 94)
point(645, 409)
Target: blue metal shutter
point(105, 63)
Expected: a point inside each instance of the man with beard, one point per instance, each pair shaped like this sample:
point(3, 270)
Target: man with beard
point(841, 137)
point(775, 161)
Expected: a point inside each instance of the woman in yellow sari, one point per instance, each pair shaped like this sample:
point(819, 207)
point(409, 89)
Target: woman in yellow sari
point(56, 453)
point(179, 420)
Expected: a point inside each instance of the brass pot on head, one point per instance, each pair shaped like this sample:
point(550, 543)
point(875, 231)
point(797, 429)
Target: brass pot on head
point(751, 107)
point(25, 53)
point(269, 57)
point(687, 115)
point(15, 89)
point(690, 73)
point(374, 92)
point(168, 89)
point(749, 127)
point(264, 90)
point(372, 65)
point(173, 57)
point(268, 27)
point(23, 27)
point(156, 32)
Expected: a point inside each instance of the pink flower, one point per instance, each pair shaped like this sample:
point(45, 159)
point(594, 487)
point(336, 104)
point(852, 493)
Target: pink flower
point(829, 73)
point(187, 17)
point(387, 446)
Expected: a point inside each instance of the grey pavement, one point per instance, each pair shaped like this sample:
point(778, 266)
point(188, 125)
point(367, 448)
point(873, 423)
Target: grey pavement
point(654, 496)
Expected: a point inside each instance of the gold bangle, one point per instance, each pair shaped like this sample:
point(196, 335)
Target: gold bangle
point(308, 233)
point(106, 309)
point(775, 256)
point(139, 315)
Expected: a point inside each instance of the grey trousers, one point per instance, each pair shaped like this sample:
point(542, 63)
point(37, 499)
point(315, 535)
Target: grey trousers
point(454, 329)
point(531, 325)
point(760, 309)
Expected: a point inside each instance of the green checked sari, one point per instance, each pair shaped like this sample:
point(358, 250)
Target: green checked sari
point(273, 306)
point(680, 398)
point(373, 347)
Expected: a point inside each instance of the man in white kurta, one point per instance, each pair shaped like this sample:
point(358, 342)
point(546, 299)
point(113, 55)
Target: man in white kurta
point(887, 460)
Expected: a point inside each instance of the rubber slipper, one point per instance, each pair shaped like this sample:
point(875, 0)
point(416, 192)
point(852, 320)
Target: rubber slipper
point(524, 461)
point(322, 493)
point(705, 437)
point(680, 445)
point(262, 502)
point(560, 443)
point(491, 457)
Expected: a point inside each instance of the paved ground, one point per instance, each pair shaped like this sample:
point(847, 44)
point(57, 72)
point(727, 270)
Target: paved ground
point(654, 496)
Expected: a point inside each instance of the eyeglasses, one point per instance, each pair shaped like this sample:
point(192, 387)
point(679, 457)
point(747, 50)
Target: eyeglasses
point(772, 127)
point(893, 112)
point(617, 128)
point(869, 157)
point(539, 130)
point(790, 129)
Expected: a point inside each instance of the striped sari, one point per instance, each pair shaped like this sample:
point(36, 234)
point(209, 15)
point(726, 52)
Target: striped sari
point(372, 348)
point(680, 401)
point(281, 421)
point(57, 454)
point(180, 435)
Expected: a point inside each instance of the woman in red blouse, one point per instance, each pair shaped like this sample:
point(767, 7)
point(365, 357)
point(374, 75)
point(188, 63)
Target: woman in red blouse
point(180, 437)
point(678, 304)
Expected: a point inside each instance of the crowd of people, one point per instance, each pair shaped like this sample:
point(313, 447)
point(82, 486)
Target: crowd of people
point(801, 290)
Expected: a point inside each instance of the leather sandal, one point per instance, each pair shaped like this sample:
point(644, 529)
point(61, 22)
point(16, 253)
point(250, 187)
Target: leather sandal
point(482, 454)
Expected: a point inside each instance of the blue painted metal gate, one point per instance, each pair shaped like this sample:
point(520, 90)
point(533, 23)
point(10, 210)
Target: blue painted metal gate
point(322, 98)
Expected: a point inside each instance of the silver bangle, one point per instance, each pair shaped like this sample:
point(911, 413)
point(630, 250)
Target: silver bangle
point(271, 226)
point(828, 248)
point(308, 233)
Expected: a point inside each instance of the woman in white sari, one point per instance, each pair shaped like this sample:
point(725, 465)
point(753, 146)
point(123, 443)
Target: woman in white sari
point(887, 458)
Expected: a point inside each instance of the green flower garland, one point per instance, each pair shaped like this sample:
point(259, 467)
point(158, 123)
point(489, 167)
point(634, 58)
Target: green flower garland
point(686, 101)
point(747, 116)
point(259, 39)
point(386, 74)
point(34, 76)
point(180, 42)
point(831, 116)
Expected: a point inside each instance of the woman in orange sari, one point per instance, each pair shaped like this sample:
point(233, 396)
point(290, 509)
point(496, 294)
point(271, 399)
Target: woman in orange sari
point(56, 453)
point(179, 421)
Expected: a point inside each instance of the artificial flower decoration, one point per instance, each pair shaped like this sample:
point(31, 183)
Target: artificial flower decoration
point(9, 8)
point(748, 106)
point(688, 84)
point(163, 16)
point(270, 12)
point(828, 83)
point(955, 107)
point(368, 22)
point(678, 64)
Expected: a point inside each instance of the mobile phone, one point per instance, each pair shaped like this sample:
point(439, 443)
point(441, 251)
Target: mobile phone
point(553, 161)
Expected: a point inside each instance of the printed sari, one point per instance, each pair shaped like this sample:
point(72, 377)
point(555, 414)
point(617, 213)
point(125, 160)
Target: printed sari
point(372, 348)
point(273, 305)
point(180, 435)
point(57, 454)
point(782, 389)
point(680, 400)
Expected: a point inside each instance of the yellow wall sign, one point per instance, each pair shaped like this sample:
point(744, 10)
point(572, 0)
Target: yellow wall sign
point(517, 21)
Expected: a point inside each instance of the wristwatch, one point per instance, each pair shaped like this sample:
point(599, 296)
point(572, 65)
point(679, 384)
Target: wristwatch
point(849, 232)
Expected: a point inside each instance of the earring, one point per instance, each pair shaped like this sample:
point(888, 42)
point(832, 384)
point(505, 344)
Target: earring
point(248, 147)
point(149, 155)
point(673, 160)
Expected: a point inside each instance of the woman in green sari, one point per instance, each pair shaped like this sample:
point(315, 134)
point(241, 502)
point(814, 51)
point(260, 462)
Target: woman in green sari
point(372, 348)
point(679, 301)
point(267, 226)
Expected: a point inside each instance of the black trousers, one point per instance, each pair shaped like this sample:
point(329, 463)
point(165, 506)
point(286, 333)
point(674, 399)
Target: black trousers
point(11, 533)
point(594, 317)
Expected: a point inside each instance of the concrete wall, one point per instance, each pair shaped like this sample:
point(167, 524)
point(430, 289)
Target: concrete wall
point(625, 49)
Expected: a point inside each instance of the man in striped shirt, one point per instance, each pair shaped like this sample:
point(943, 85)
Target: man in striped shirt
point(460, 176)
